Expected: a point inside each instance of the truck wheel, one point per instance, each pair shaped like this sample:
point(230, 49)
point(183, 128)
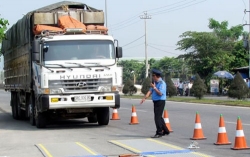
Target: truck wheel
point(41, 119)
point(14, 105)
point(20, 112)
point(31, 110)
point(92, 119)
point(103, 116)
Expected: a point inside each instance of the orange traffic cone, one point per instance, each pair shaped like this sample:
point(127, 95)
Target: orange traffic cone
point(166, 119)
point(198, 133)
point(240, 140)
point(222, 138)
point(115, 115)
point(134, 119)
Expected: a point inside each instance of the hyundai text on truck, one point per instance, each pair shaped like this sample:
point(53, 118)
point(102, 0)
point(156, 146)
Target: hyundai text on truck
point(57, 75)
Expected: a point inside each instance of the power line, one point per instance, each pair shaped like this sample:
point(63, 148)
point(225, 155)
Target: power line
point(244, 3)
point(124, 21)
point(245, 13)
point(119, 24)
point(133, 41)
point(162, 50)
point(121, 27)
point(134, 46)
point(161, 45)
point(166, 6)
point(166, 11)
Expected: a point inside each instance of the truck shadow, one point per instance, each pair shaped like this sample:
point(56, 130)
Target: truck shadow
point(8, 123)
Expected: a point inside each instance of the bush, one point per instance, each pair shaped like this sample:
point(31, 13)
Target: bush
point(146, 86)
point(171, 89)
point(125, 90)
point(129, 88)
point(199, 88)
point(238, 89)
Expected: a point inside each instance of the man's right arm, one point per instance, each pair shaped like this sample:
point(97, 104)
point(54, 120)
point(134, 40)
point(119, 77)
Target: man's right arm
point(146, 96)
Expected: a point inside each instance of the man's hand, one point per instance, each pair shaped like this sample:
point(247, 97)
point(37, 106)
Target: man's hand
point(142, 100)
point(152, 85)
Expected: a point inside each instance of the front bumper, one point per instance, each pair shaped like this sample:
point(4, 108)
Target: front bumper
point(47, 102)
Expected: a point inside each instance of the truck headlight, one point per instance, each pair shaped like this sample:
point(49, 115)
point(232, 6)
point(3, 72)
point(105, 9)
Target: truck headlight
point(104, 89)
point(55, 91)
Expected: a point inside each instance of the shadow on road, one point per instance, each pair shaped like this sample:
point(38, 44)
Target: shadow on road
point(8, 123)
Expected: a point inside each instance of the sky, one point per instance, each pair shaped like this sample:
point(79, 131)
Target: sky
point(169, 19)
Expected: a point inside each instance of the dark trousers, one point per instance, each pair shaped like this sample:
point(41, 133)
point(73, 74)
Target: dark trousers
point(159, 121)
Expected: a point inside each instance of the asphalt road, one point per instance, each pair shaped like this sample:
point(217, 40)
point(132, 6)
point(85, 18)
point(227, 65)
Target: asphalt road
point(18, 138)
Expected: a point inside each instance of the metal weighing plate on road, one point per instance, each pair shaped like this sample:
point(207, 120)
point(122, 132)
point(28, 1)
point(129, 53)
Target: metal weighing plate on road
point(155, 148)
point(72, 149)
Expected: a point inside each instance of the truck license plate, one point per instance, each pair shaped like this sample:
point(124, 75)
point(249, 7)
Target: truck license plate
point(83, 98)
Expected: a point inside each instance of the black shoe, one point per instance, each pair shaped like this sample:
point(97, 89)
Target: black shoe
point(165, 133)
point(156, 136)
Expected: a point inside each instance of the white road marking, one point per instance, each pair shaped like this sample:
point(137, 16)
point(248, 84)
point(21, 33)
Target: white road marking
point(236, 123)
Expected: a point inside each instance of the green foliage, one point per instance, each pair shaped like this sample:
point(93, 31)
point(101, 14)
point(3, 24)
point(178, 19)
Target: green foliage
point(129, 88)
point(3, 27)
point(146, 86)
point(240, 55)
point(125, 90)
point(171, 89)
point(172, 66)
point(199, 88)
point(212, 51)
point(132, 65)
point(238, 89)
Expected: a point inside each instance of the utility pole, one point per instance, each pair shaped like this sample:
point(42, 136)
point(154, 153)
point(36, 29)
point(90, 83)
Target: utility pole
point(106, 14)
point(145, 17)
point(248, 43)
point(248, 39)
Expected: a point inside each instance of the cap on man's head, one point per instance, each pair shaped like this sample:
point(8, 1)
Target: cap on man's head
point(156, 72)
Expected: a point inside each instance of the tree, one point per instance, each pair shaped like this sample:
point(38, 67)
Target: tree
point(238, 89)
point(240, 56)
point(146, 85)
point(171, 89)
point(169, 66)
point(208, 52)
point(129, 88)
point(3, 27)
point(199, 88)
point(132, 65)
point(125, 90)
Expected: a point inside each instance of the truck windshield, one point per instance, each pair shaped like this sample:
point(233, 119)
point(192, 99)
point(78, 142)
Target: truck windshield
point(78, 50)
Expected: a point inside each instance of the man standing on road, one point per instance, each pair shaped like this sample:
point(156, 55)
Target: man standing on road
point(158, 91)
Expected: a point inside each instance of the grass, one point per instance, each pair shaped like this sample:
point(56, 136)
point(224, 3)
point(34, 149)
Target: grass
point(232, 102)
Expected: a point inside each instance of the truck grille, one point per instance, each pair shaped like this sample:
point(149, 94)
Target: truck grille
point(84, 85)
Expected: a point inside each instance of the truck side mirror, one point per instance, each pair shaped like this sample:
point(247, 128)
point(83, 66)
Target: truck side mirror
point(36, 50)
point(35, 57)
point(36, 46)
point(118, 52)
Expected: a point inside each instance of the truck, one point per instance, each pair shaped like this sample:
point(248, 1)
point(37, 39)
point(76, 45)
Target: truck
point(58, 75)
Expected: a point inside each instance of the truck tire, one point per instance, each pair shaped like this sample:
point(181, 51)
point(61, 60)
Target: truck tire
point(20, 112)
point(32, 110)
point(103, 116)
point(40, 118)
point(14, 105)
point(92, 119)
